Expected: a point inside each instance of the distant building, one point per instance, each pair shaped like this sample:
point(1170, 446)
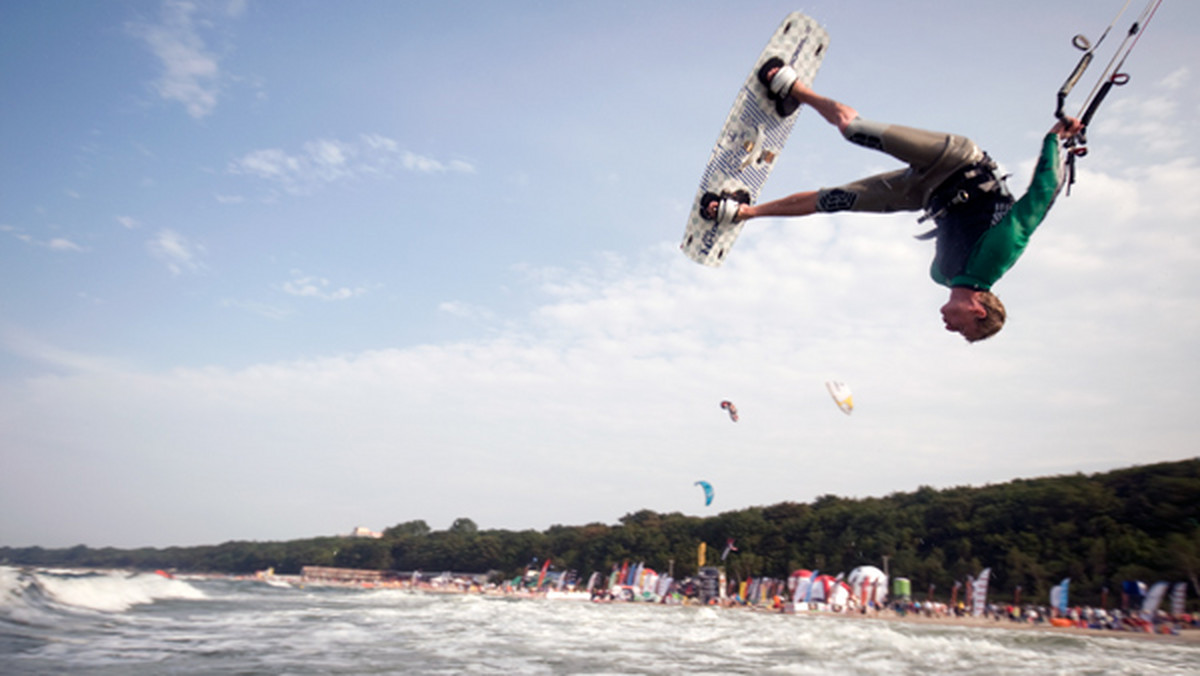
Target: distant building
point(327, 575)
point(364, 532)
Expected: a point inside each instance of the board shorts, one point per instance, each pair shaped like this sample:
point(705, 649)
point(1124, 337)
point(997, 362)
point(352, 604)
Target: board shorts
point(932, 157)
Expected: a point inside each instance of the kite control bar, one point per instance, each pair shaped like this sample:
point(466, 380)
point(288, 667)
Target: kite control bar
point(1112, 77)
point(1089, 52)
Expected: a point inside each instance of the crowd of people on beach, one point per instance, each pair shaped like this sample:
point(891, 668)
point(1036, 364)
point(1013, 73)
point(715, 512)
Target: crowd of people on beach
point(1082, 617)
point(689, 592)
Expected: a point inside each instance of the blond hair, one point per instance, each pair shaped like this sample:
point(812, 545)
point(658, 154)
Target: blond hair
point(991, 323)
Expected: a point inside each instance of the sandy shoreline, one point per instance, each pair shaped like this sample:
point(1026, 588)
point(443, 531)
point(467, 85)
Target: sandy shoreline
point(1185, 635)
point(1188, 635)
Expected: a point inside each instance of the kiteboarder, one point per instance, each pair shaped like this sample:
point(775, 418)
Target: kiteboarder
point(981, 230)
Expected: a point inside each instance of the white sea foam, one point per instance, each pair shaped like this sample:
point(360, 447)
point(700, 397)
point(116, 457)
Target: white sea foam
point(107, 592)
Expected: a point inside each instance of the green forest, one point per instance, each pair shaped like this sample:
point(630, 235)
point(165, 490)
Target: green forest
point(1139, 523)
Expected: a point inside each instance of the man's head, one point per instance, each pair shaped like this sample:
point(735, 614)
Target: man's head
point(974, 314)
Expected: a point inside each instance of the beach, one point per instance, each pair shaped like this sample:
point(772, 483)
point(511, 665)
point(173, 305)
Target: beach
point(939, 616)
point(118, 623)
point(1189, 635)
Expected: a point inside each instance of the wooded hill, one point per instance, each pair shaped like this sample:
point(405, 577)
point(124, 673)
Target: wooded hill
point(1140, 523)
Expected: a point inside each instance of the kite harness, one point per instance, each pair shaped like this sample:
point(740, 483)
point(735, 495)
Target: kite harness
point(966, 204)
point(964, 207)
point(1112, 76)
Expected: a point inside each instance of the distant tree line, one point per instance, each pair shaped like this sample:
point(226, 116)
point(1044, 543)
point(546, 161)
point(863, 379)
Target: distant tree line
point(1140, 523)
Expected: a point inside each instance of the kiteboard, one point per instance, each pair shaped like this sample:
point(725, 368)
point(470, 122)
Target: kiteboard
point(752, 138)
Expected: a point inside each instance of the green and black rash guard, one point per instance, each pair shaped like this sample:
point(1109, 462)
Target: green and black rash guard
point(977, 260)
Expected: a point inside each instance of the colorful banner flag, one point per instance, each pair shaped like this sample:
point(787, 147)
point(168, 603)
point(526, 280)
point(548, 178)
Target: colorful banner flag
point(1154, 599)
point(1178, 596)
point(1058, 596)
point(979, 592)
point(728, 548)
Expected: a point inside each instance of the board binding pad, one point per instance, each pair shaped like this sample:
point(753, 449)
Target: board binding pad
point(752, 138)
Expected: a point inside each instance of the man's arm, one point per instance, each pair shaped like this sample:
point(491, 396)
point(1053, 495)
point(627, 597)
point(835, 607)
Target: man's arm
point(1048, 178)
point(1002, 245)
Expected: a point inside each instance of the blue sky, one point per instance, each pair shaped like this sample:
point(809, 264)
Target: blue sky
point(274, 270)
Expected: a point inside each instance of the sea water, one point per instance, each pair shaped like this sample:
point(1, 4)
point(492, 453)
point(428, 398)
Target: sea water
point(115, 622)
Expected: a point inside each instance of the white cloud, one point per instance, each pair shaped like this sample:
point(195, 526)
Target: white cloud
point(380, 143)
point(128, 222)
point(235, 8)
point(63, 244)
point(191, 73)
point(307, 286)
point(175, 251)
point(270, 164)
point(54, 243)
point(1176, 79)
point(427, 165)
point(1151, 117)
point(618, 376)
point(24, 343)
point(466, 310)
point(12, 230)
point(325, 161)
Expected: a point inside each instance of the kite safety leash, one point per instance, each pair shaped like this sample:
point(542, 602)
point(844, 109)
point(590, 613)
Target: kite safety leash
point(1112, 76)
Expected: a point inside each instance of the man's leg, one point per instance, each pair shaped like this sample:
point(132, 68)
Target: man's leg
point(917, 148)
point(848, 122)
point(931, 156)
point(836, 113)
point(882, 193)
point(798, 204)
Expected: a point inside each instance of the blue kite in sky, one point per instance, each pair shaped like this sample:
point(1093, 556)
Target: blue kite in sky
point(708, 491)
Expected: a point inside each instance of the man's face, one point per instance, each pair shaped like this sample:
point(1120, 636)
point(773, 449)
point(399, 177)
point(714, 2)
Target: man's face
point(962, 316)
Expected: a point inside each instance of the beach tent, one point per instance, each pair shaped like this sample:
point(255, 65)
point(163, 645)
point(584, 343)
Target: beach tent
point(796, 576)
point(805, 586)
point(647, 580)
point(868, 583)
point(821, 588)
point(838, 594)
point(799, 583)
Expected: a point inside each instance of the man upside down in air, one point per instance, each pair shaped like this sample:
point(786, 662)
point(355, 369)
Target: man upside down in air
point(981, 231)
